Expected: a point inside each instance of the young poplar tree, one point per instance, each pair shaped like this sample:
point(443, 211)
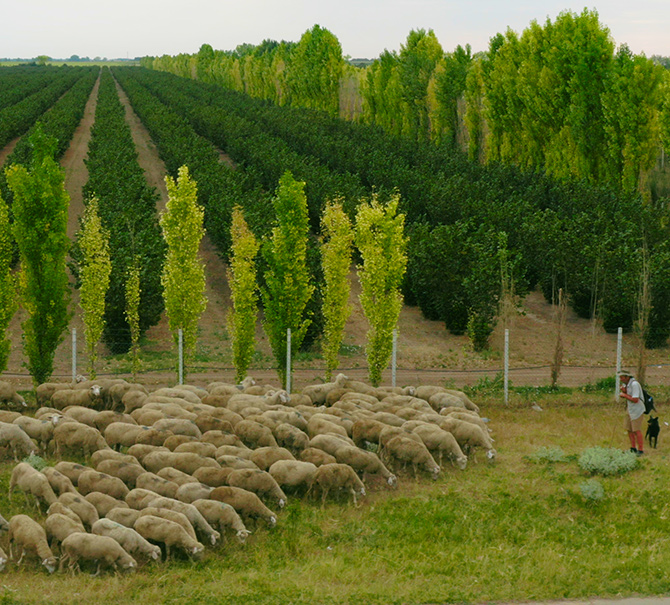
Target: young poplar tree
point(96, 267)
point(336, 260)
point(183, 276)
point(40, 229)
point(243, 291)
point(287, 281)
point(8, 303)
point(132, 311)
point(379, 236)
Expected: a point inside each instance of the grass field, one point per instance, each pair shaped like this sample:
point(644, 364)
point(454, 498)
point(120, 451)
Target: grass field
point(513, 530)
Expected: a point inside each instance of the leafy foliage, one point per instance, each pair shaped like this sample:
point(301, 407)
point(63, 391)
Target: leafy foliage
point(133, 291)
point(8, 303)
point(183, 275)
point(243, 292)
point(94, 273)
point(40, 229)
point(607, 461)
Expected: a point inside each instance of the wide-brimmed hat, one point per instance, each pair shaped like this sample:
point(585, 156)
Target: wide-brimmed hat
point(625, 374)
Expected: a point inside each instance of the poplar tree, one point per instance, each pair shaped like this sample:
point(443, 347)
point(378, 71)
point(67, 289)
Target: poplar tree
point(243, 291)
point(8, 303)
point(96, 267)
point(287, 287)
point(336, 260)
point(381, 241)
point(40, 229)
point(133, 292)
point(183, 275)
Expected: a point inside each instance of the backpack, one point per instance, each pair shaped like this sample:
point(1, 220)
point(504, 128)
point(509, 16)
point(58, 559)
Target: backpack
point(648, 402)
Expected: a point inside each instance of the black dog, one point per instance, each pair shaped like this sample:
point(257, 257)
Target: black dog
point(653, 429)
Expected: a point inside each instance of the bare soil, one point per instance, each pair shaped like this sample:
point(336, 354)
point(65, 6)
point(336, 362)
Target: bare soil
point(427, 353)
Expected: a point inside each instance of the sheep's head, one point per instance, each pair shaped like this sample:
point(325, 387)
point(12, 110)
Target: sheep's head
point(392, 480)
point(155, 553)
point(50, 564)
point(129, 565)
point(197, 552)
point(96, 390)
point(491, 454)
point(242, 535)
point(411, 391)
point(462, 462)
point(282, 502)
point(214, 536)
point(284, 397)
point(272, 520)
point(435, 471)
point(3, 560)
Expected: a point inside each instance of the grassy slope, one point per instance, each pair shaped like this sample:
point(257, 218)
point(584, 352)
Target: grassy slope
point(512, 530)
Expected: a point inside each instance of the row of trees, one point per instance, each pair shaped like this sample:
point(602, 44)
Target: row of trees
point(557, 97)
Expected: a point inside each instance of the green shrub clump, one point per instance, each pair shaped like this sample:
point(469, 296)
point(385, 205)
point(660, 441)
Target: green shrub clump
point(592, 490)
point(549, 454)
point(37, 462)
point(607, 461)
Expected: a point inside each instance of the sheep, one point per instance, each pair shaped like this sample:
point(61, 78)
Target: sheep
point(129, 539)
point(30, 537)
point(71, 470)
point(9, 395)
point(318, 425)
point(178, 393)
point(197, 520)
point(317, 393)
point(330, 442)
point(232, 450)
point(471, 417)
point(316, 456)
point(126, 472)
point(102, 549)
point(246, 503)
point(206, 422)
point(468, 435)
point(58, 508)
point(58, 481)
point(133, 400)
point(360, 397)
point(106, 417)
point(193, 491)
point(153, 436)
point(140, 450)
point(9, 417)
point(40, 431)
point(290, 437)
point(95, 481)
point(170, 534)
point(103, 503)
point(170, 515)
point(336, 476)
point(59, 526)
point(222, 515)
point(118, 391)
point(213, 477)
point(139, 498)
point(223, 413)
point(259, 482)
point(469, 404)
point(84, 509)
point(186, 462)
point(443, 442)
point(253, 434)
point(45, 391)
point(264, 457)
point(3, 559)
point(31, 481)
point(178, 426)
point(79, 437)
point(293, 474)
point(81, 414)
point(119, 434)
point(404, 449)
point(208, 450)
point(176, 476)
point(157, 484)
point(88, 398)
point(366, 462)
point(235, 462)
point(174, 441)
point(124, 516)
point(15, 439)
point(291, 417)
point(443, 399)
point(219, 438)
point(366, 430)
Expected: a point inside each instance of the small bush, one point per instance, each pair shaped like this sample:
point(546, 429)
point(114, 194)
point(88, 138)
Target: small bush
point(604, 384)
point(607, 461)
point(548, 454)
point(592, 490)
point(36, 462)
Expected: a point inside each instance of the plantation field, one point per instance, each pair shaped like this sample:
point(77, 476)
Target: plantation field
point(511, 530)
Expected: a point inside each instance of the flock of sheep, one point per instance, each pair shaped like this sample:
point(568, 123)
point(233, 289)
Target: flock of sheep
point(179, 467)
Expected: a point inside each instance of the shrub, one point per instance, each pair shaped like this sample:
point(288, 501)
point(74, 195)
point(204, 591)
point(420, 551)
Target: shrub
point(607, 461)
point(548, 454)
point(592, 490)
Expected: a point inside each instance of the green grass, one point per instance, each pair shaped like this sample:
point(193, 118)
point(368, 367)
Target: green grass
point(514, 530)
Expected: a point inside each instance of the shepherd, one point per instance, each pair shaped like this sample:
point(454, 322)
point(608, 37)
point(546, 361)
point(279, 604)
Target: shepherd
point(631, 390)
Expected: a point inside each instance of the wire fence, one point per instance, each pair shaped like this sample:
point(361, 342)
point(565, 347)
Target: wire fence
point(504, 370)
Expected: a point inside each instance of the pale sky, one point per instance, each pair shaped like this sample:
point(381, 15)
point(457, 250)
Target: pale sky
point(130, 28)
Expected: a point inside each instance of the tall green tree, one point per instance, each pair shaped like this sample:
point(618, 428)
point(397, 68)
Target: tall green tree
point(40, 230)
point(133, 292)
point(243, 292)
point(288, 287)
point(380, 238)
point(8, 304)
point(96, 267)
point(336, 261)
point(183, 276)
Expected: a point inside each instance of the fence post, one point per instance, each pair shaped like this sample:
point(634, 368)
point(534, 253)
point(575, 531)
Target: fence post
point(506, 366)
point(394, 356)
point(617, 381)
point(181, 356)
point(74, 354)
point(288, 360)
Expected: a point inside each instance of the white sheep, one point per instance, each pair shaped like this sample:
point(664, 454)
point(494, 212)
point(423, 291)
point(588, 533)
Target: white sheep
point(192, 491)
point(59, 527)
point(293, 474)
point(88, 398)
point(246, 503)
point(9, 395)
point(103, 503)
point(170, 534)
point(222, 515)
point(405, 449)
point(95, 481)
point(129, 539)
point(468, 435)
point(442, 442)
point(78, 437)
point(170, 515)
point(192, 514)
point(259, 482)
point(364, 462)
point(329, 477)
point(80, 546)
point(30, 537)
point(84, 509)
point(152, 482)
point(265, 457)
point(58, 481)
point(128, 472)
point(31, 481)
point(213, 477)
point(71, 470)
point(125, 516)
point(15, 439)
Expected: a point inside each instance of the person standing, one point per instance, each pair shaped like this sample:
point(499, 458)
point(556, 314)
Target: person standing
point(631, 390)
